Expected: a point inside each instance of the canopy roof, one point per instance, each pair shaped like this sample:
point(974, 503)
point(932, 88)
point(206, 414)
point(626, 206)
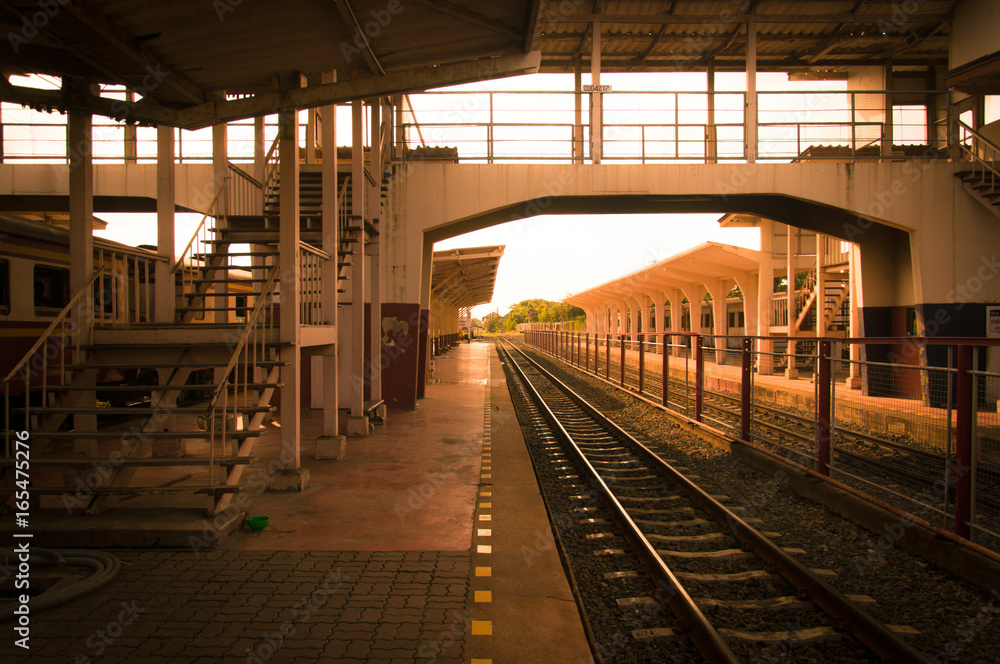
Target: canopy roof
point(195, 63)
point(465, 277)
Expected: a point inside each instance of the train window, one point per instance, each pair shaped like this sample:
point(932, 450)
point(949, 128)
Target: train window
point(241, 307)
point(51, 289)
point(4, 287)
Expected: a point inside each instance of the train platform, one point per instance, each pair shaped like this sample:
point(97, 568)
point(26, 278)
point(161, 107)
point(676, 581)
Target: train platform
point(428, 542)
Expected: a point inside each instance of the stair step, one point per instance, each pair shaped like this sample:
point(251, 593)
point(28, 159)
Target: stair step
point(127, 435)
point(84, 462)
point(140, 490)
point(216, 254)
point(169, 365)
point(208, 295)
point(144, 388)
point(138, 411)
point(225, 281)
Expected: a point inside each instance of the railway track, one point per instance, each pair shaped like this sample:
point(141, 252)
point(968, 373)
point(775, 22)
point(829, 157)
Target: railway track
point(745, 585)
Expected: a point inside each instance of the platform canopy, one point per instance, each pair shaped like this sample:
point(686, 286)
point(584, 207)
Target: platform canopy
point(707, 264)
point(194, 63)
point(465, 277)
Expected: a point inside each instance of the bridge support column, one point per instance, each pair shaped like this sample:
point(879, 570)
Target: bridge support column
point(79, 151)
point(373, 250)
point(791, 372)
point(357, 425)
point(330, 445)
point(165, 200)
point(220, 175)
point(291, 477)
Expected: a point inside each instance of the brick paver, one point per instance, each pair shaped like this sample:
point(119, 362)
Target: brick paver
point(238, 607)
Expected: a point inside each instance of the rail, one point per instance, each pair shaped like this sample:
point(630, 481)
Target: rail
point(78, 327)
point(238, 390)
point(665, 126)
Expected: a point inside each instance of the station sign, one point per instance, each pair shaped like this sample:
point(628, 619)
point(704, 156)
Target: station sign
point(597, 88)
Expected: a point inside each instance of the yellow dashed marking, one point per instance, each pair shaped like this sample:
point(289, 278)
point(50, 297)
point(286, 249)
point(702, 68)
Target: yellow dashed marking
point(485, 517)
point(485, 492)
point(482, 627)
point(482, 661)
point(485, 506)
point(484, 532)
point(485, 476)
point(484, 596)
point(484, 571)
point(484, 548)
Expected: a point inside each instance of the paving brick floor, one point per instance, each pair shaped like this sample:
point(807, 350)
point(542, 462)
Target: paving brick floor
point(262, 606)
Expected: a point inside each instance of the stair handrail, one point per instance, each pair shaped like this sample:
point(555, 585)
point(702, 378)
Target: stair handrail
point(983, 142)
point(208, 213)
point(271, 164)
point(60, 317)
point(242, 341)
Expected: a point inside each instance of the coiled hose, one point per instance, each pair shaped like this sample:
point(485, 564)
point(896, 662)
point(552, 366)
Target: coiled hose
point(105, 566)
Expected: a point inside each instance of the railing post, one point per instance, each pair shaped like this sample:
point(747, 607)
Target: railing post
point(963, 443)
point(642, 363)
point(665, 391)
point(823, 408)
point(745, 391)
point(699, 376)
point(586, 357)
point(607, 356)
point(621, 345)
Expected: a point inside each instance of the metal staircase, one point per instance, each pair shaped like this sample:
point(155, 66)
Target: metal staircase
point(980, 171)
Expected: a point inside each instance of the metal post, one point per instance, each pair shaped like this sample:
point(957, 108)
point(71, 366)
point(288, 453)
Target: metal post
point(665, 391)
point(745, 389)
point(699, 375)
point(621, 344)
point(586, 357)
point(963, 443)
point(642, 363)
point(823, 404)
point(607, 357)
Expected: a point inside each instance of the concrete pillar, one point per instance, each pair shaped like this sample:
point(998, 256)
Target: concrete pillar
point(791, 372)
point(165, 201)
point(373, 250)
point(259, 149)
point(292, 475)
point(857, 329)
point(330, 445)
point(311, 136)
point(79, 153)
point(597, 104)
point(220, 173)
point(751, 106)
point(718, 291)
point(357, 425)
point(636, 303)
point(765, 291)
point(676, 313)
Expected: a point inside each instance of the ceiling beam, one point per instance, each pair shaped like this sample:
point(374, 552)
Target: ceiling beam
point(216, 112)
point(533, 26)
point(351, 19)
point(84, 12)
point(469, 16)
point(702, 19)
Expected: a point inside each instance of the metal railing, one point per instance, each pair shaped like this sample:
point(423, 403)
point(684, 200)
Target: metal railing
point(914, 422)
point(652, 126)
point(37, 368)
point(126, 293)
point(236, 403)
point(311, 285)
point(983, 155)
